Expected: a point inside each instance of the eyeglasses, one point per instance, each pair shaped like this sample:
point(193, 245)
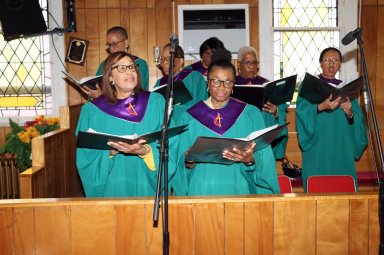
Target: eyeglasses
point(123, 68)
point(216, 83)
point(113, 44)
point(250, 63)
point(331, 60)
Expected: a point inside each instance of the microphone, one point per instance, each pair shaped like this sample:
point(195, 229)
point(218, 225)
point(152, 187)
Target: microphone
point(174, 41)
point(156, 54)
point(351, 36)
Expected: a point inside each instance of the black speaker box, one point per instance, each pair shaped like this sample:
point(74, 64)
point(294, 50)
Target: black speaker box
point(20, 18)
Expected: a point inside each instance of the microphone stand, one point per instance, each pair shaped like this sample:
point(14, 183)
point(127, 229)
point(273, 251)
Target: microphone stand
point(377, 136)
point(164, 153)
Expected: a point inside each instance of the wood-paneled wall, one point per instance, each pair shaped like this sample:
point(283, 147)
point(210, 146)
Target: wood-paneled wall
point(279, 225)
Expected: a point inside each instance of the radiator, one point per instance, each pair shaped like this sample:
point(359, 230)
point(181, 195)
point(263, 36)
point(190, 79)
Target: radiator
point(9, 178)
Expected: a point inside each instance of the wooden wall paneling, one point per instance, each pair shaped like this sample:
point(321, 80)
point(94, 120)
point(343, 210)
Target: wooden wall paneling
point(379, 81)
point(151, 4)
point(138, 28)
point(163, 24)
point(88, 4)
point(254, 28)
point(369, 24)
point(210, 228)
point(332, 222)
point(93, 229)
point(358, 227)
point(154, 235)
point(152, 41)
point(92, 35)
point(80, 4)
point(102, 3)
point(130, 229)
point(7, 224)
point(24, 230)
point(114, 18)
point(295, 221)
point(53, 230)
point(137, 4)
point(102, 31)
point(258, 228)
point(114, 3)
point(374, 229)
point(234, 228)
point(3, 132)
point(182, 229)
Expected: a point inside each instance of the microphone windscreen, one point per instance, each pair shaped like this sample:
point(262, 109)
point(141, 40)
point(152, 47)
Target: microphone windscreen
point(350, 37)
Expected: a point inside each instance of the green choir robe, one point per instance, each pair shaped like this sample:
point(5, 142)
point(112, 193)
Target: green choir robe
point(120, 175)
point(143, 69)
point(330, 143)
point(280, 144)
point(217, 179)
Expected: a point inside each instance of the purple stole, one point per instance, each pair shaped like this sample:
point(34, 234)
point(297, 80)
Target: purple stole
point(218, 120)
point(131, 109)
point(198, 66)
point(333, 81)
point(258, 80)
point(179, 77)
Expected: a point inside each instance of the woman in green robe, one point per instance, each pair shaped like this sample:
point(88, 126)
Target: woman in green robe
point(123, 109)
point(252, 172)
point(331, 134)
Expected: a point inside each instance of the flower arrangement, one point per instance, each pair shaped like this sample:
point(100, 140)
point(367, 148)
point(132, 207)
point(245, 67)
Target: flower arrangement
point(18, 141)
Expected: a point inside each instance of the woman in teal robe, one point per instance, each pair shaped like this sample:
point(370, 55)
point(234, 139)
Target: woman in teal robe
point(252, 172)
point(331, 134)
point(123, 109)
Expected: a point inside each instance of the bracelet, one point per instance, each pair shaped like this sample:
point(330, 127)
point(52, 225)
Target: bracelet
point(276, 113)
point(250, 163)
point(350, 116)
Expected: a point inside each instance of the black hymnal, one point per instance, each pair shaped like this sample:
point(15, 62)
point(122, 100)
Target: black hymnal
point(277, 92)
point(181, 94)
point(96, 140)
point(90, 81)
point(315, 90)
point(210, 149)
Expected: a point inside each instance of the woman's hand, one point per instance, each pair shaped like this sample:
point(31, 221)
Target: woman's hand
point(270, 108)
point(346, 106)
point(244, 156)
point(92, 93)
point(327, 104)
point(189, 164)
point(136, 148)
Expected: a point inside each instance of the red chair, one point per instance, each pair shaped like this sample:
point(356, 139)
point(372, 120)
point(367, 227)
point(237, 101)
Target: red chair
point(285, 184)
point(330, 183)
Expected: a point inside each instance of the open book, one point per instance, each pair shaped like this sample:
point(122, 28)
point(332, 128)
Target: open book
point(181, 94)
point(89, 81)
point(97, 140)
point(277, 92)
point(315, 90)
point(210, 149)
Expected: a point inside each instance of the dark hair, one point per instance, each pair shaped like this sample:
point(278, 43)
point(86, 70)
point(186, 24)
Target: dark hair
point(221, 58)
point(329, 49)
point(179, 52)
point(109, 91)
point(212, 43)
point(119, 30)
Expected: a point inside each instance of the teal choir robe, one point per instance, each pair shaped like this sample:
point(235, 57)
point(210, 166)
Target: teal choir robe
point(217, 179)
point(122, 174)
point(329, 141)
point(143, 69)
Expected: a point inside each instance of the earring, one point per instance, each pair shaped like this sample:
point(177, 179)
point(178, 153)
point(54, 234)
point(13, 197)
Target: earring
point(232, 91)
point(112, 83)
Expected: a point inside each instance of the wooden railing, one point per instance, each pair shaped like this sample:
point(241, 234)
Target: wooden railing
point(53, 172)
point(292, 224)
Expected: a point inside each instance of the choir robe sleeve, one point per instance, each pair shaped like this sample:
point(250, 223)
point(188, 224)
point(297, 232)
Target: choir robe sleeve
point(144, 72)
point(359, 130)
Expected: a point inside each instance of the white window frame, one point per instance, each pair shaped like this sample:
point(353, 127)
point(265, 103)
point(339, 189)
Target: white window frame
point(347, 21)
point(58, 87)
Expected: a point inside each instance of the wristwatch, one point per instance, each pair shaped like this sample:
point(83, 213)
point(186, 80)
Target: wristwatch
point(250, 163)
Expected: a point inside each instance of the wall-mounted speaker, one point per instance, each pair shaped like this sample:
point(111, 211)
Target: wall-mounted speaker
point(20, 18)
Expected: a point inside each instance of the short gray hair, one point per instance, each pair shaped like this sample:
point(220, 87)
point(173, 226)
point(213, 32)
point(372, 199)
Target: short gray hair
point(244, 51)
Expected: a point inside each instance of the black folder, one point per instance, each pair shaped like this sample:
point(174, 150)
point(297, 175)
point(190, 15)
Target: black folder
point(315, 90)
point(181, 94)
point(277, 92)
point(96, 140)
point(90, 81)
point(210, 149)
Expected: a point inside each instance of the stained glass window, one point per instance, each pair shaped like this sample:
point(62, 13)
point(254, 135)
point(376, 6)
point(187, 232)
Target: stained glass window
point(302, 29)
point(25, 75)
